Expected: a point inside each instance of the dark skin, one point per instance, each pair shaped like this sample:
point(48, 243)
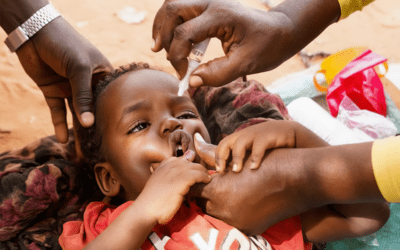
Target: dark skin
point(256, 41)
point(144, 123)
point(253, 40)
point(60, 61)
point(297, 179)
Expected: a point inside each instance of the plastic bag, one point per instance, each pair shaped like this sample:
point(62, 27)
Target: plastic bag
point(359, 81)
point(374, 125)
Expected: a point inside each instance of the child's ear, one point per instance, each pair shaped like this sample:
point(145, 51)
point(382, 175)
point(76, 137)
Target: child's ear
point(108, 185)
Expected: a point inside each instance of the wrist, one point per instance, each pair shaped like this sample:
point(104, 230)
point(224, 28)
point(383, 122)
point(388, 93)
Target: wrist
point(30, 27)
point(138, 214)
point(144, 207)
point(308, 19)
point(15, 12)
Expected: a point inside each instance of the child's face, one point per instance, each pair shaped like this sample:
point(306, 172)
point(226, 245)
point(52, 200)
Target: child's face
point(143, 122)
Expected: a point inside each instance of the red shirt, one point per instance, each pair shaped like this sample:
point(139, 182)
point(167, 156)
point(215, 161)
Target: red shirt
point(190, 228)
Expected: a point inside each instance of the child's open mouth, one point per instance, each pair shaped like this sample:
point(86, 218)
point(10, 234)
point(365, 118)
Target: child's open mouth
point(179, 142)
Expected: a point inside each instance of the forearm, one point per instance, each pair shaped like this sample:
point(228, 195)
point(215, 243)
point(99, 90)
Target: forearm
point(301, 179)
point(342, 174)
point(336, 222)
point(128, 231)
point(15, 12)
point(307, 19)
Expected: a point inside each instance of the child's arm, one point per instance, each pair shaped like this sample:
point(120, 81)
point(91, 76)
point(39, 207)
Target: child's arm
point(336, 222)
point(157, 203)
point(128, 231)
point(261, 137)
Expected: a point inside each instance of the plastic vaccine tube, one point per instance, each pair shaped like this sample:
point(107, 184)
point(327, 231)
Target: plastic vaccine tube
point(195, 57)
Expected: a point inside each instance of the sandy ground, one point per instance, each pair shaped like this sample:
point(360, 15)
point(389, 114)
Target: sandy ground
point(24, 115)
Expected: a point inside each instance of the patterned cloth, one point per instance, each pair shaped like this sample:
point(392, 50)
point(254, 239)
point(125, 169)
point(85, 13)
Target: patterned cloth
point(42, 186)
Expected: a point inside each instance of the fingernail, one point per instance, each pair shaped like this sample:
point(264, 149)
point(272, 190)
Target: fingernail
point(153, 44)
point(195, 81)
point(198, 137)
point(151, 169)
point(235, 168)
point(253, 165)
point(217, 168)
point(189, 155)
point(87, 119)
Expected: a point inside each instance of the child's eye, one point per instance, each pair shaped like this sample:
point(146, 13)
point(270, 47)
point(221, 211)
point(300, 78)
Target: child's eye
point(187, 115)
point(139, 126)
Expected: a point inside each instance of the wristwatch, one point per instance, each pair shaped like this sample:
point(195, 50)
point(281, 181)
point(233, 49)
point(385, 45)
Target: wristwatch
point(29, 28)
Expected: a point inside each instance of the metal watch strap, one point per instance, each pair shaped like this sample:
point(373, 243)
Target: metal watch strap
point(29, 28)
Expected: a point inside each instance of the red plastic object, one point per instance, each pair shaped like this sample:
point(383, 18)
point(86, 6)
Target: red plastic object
point(359, 81)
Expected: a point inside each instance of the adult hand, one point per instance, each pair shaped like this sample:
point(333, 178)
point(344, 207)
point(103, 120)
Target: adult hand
point(288, 182)
point(253, 40)
point(254, 200)
point(64, 64)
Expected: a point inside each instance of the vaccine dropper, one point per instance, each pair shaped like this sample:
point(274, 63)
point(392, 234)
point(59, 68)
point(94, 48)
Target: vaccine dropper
point(195, 57)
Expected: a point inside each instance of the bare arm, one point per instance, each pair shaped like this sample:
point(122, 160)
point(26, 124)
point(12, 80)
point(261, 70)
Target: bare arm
point(14, 12)
point(59, 60)
point(336, 222)
point(253, 40)
point(128, 231)
point(157, 203)
point(295, 179)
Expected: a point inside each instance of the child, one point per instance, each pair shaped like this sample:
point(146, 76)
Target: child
point(142, 150)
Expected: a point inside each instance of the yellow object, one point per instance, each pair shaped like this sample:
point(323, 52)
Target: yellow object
point(349, 6)
point(386, 166)
point(333, 64)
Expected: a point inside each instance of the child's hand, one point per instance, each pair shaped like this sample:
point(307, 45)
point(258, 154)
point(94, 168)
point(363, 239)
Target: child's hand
point(256, 139)
point(170, 182)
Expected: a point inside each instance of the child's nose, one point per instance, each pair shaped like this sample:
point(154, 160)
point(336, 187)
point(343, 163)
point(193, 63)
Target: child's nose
point(169, 125)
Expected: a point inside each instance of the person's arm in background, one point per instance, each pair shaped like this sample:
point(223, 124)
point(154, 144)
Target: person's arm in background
point(253, 40)
point(290, 182)
point(60, 60)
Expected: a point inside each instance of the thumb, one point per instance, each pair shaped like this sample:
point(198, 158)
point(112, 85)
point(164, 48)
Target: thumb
point(219, 71)
point(205, 150)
